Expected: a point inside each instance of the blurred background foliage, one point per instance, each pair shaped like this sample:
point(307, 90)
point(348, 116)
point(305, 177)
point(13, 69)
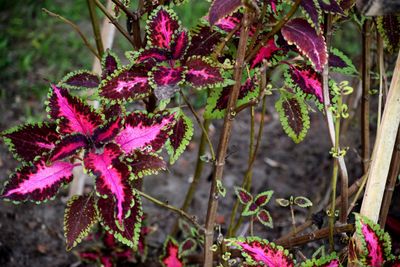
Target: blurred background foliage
point(36, 49)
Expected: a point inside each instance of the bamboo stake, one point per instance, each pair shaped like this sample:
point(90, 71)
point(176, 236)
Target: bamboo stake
point(383, 150)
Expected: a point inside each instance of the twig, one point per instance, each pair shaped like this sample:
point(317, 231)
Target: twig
point(96, 27)
point(204, 131)
point(223, 142)
point(381, 66)
point(181, 213)
point(114, 21)
point(358, 194)
point(76, 28)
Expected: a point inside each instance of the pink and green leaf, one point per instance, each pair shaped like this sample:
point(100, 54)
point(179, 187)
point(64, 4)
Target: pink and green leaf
point(201, 73)
point(340, 63)
point(143, 164)
point(161, 76)
point(182, 133)
point(261, 251)
point(128, 233)
point(79, 218)
point(307, 80)
point(229, 23)
point(375, 242)
point(31, 140)
point(128, 84)
point(152, 55)
point(37, 182)
point(243, 196)
point(294, 117)
point(71, 113)
point(170, 257)
point(162, 26)
point(389, 28)
point(180, 45)
point(68, 146)
point(112, 177)
point(108, 131)
point(265, 218)
point(312, 45)
point(109, 63)
point(81, 79)
point(144, 132)
point(263, 198)
point(222, 8)
point(331, 260)
point(265, 53)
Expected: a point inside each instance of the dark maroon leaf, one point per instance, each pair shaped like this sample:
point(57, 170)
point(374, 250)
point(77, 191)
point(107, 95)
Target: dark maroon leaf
point(333, 6)
point(346, 5)
point(201, 73)
point(265, 218)
point(143, 164)
point(243, 196)
point(312, 11)
point(127, 233)
point(128, 84)
point(152, 54)
point(80, 216)
point(80, 80)
point(144, 132)
point(203, 41)
point(389, 29)
point(229, 23)
point(109, 63)
point(222, 8)
point(187, 246)
point(161, 28)
point(263, 198)
point(38, 182)
point(182, 133)
point(112, 177)
point(72, 115)
point(166, 76)
point(31, 140)
point(265, 53)
point(298, 32)
point(68, 146)
point(180, 44)
point(108, 131)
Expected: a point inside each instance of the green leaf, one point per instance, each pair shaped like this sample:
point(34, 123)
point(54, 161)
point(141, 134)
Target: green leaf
point(243, 196)
point(265, 218)
point(293, 115)
point(221, 188)
point(250, 209)
point(263, 198)
point(340, 63)
point(302, 202)
point(331, 260)
point(282, 202)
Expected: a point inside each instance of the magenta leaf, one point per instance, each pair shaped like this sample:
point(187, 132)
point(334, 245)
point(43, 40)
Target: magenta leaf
point(294, 117)
point(202, 73)
point(180, 44)
point(128, 233)
point(187, 247)
point(265, 53)
point(108, 131)
point(250, 209)
point(111, 178)
point(229, 23)
point(38, 182)
point(331, 260)
point(265, 218)
point(171, 258)
point(182, 133)
point(299, 32)
point(375, 242)
point(312, 11)
point(91, 256)
point(144, 132)
point(261, 251)
point(152, 54)
point(109, 63)
point(165, 76)
point(332, 7)
point(143, 164)
point(71, 114)
point(263, 198)
point(389, 29)
point(243, 196)
point(79, 217)
point(204, 40)
point(307, 80)
point(106, 261)
point(81, 79)
point(68, 146)
point(162, 27)
point(222, 8)
point(30, 140)
point(127, 84)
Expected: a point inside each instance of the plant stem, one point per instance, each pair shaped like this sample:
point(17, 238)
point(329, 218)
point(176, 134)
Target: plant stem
point(366, 65)
point(203, 130)
point(358, 194)
point(251, 225)
point(76, 28)
point(114, 21)
point(293, 219)
point(181, 213)
point(393, 174)
point(381, 66)
point(96, 27)
point(223, 142)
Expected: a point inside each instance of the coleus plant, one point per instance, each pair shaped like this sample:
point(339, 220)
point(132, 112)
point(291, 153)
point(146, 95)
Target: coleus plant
point(174, 253)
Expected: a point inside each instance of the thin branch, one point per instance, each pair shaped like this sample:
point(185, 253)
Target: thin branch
point(181, 213)
point(96, 27)
point(76, 28)
point(114, 21)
